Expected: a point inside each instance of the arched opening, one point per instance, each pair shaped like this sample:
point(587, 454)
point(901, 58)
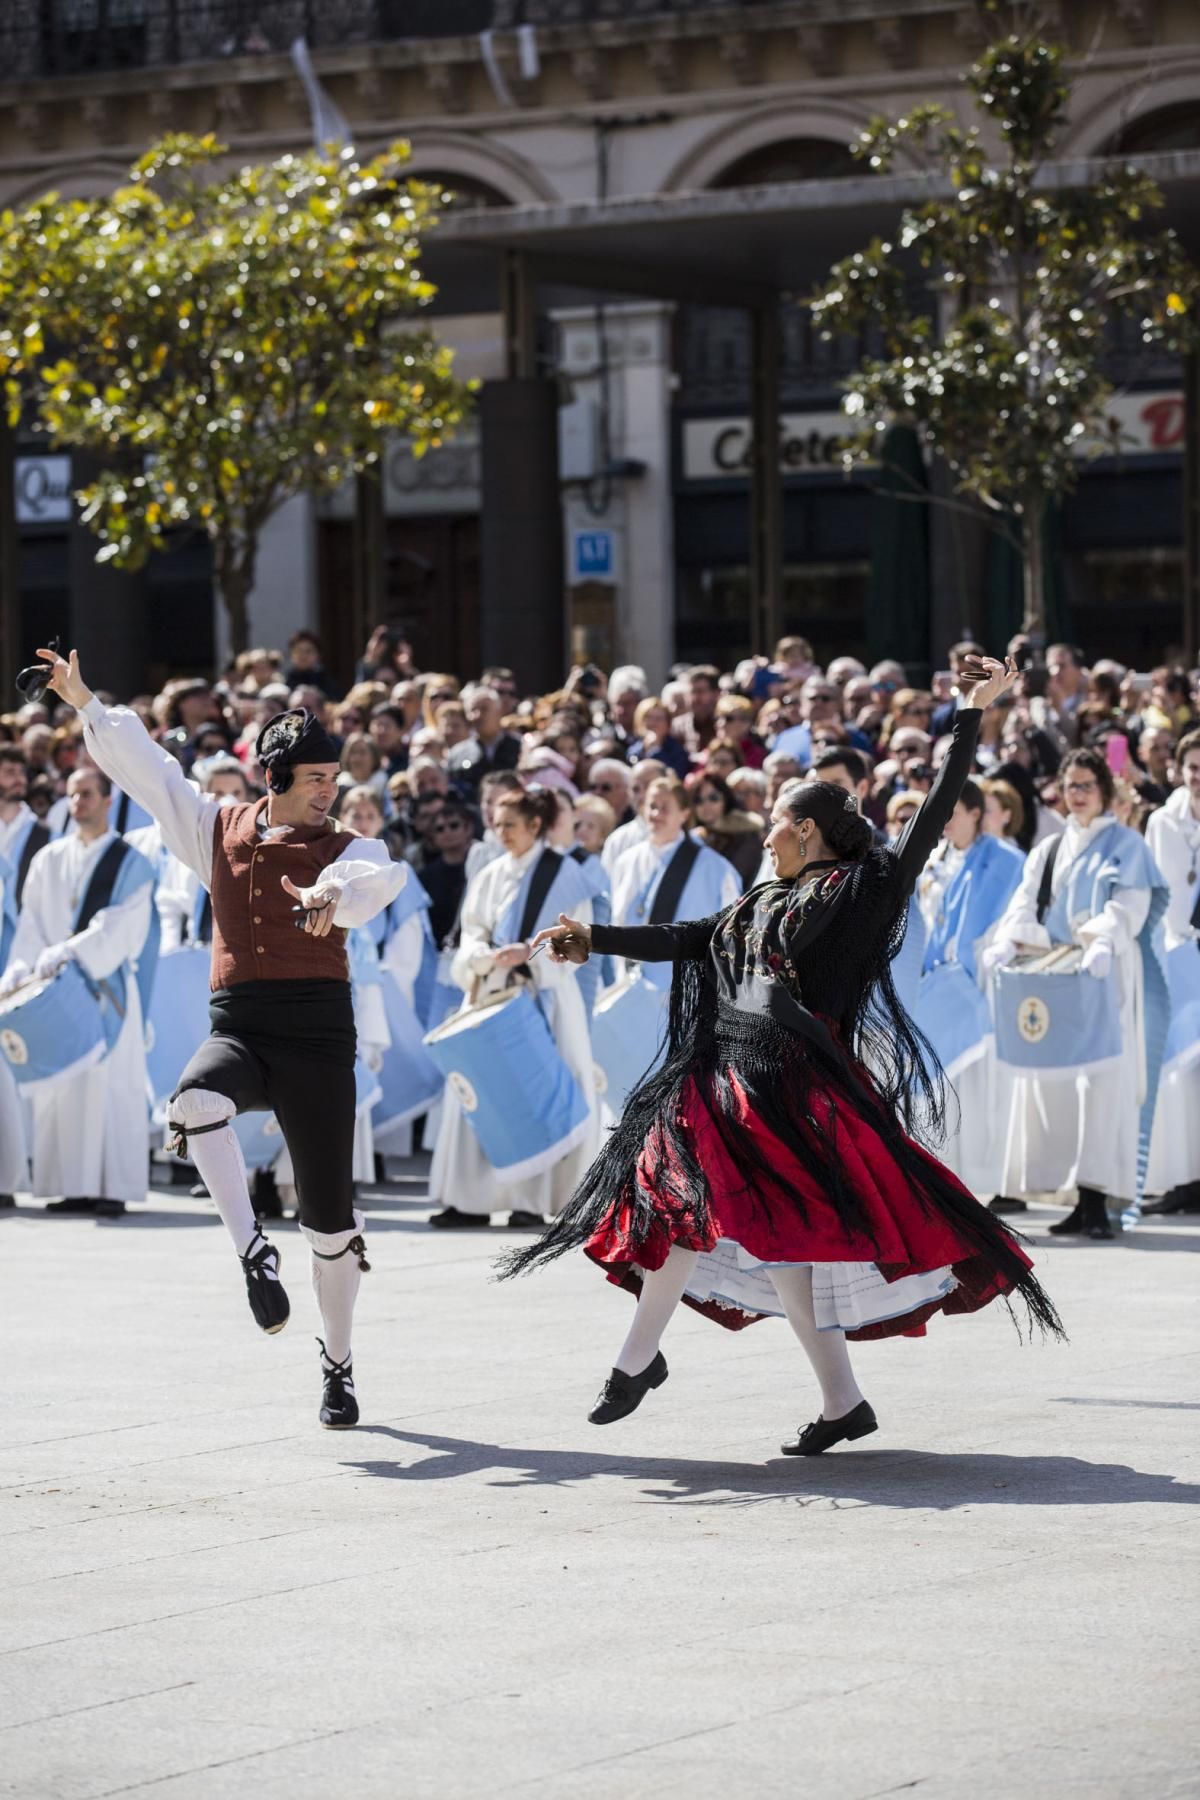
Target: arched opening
point(1168, 128)
point(462, 193)
point(788, 159)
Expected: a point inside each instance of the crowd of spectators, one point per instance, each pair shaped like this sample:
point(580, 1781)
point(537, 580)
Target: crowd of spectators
point(434, 750)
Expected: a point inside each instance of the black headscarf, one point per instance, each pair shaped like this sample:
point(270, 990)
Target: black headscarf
point(295, 736)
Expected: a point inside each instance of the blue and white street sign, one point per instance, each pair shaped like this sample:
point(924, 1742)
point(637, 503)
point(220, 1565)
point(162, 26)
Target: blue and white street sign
point(592, 555)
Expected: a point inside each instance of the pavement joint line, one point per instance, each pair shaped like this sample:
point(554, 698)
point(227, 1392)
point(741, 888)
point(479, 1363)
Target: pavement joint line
point(72, 1712)
point(140, 1562)
point(191, 1612)
point(74, 1437)
point(741, 1721)
point(140, 1787)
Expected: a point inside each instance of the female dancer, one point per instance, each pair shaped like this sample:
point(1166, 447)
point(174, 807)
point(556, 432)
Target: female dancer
point(762, 1169)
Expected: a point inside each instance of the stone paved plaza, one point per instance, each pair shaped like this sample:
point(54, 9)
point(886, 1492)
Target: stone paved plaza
point(480, 1594)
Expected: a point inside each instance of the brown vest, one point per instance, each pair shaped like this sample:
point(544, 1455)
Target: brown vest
point(255, 936)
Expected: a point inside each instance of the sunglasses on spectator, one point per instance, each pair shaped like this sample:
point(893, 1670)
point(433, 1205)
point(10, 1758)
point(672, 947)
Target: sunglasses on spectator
point(1082, 787)
point(441, 825)
point(605, 787)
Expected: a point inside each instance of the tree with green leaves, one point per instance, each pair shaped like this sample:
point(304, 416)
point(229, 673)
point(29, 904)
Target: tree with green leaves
point(224, 342)
point(993, 299)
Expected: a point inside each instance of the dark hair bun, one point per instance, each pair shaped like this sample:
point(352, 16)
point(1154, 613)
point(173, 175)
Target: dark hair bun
point(849, 836)
point(539, 806)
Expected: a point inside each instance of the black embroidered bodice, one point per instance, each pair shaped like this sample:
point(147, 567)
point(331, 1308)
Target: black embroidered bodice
point(816, 938)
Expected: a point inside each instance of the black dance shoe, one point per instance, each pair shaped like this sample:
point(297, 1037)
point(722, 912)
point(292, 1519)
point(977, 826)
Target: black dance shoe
point(450, 1219)
point(1004, 1204)
point(339, 1408)
point(1095, 1214)
point(1074, 1225)
point(525, 1221)
point(7, 1203)
point(623, 1394)
point(268, 1301)
point(824, 1433)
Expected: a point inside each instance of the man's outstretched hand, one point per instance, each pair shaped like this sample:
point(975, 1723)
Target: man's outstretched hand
point(319, 903)
point(65, 679)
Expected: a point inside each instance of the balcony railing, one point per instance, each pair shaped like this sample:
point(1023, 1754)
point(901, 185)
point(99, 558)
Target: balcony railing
point(41, 38)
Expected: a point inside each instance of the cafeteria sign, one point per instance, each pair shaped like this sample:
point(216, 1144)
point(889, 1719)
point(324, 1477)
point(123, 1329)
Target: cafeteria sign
point(721, 449)
point(1146, 424)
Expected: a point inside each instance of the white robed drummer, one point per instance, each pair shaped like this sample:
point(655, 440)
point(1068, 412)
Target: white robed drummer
point(283, 1038)
point(14, 1157)
point(1106, 896)
point(1173, 838)
point(87, 899)
point(502, 910)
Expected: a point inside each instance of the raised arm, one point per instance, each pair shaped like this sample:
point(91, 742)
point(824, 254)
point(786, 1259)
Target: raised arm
point(119, 743)
point(981, 680)
point(924, 830)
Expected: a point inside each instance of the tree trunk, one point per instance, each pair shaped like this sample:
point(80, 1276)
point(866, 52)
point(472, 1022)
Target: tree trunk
point(1033, 562)
point(233, 570)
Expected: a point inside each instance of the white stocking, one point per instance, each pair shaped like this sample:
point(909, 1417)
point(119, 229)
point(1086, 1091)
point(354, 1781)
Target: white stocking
point(662, 1290)
point(825, 1350)
point(218, 1159)
point(336, 1273)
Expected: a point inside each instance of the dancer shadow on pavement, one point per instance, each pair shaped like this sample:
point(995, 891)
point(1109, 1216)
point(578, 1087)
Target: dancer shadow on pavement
point(890, 1478)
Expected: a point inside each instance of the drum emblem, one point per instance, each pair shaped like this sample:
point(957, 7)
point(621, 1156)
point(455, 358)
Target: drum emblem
point(272, 1127)
point(14, 1047)
point(600, 1077)
point(467, 1097)
point(1033, 1019)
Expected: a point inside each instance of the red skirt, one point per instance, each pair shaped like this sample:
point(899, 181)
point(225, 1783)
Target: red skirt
point(910, 1236)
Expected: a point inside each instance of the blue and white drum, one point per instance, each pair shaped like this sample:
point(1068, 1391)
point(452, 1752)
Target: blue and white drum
point(1053, 1020)
point(367, 1090)
point(51, 1030)
point(501, 1063)
point(409, 1081)
point(1183, 982)
point(178, 1021)
point(629, 1031)
point(261, 1135)
point(953, 1013)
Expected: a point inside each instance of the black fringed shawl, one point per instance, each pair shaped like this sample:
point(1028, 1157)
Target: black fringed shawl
point(790, 991)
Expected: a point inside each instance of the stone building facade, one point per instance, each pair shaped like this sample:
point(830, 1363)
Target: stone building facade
point(571, 106)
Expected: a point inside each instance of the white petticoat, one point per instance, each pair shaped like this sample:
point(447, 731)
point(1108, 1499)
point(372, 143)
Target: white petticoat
point(846, 1295)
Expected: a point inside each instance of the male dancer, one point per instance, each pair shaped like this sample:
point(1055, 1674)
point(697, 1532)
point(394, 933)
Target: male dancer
point(283, 1021)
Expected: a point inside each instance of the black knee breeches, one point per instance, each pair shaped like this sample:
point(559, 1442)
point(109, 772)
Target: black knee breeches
point(287, 1047)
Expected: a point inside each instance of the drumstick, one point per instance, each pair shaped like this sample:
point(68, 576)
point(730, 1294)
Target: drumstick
point(309, 912)
point(537, 951)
